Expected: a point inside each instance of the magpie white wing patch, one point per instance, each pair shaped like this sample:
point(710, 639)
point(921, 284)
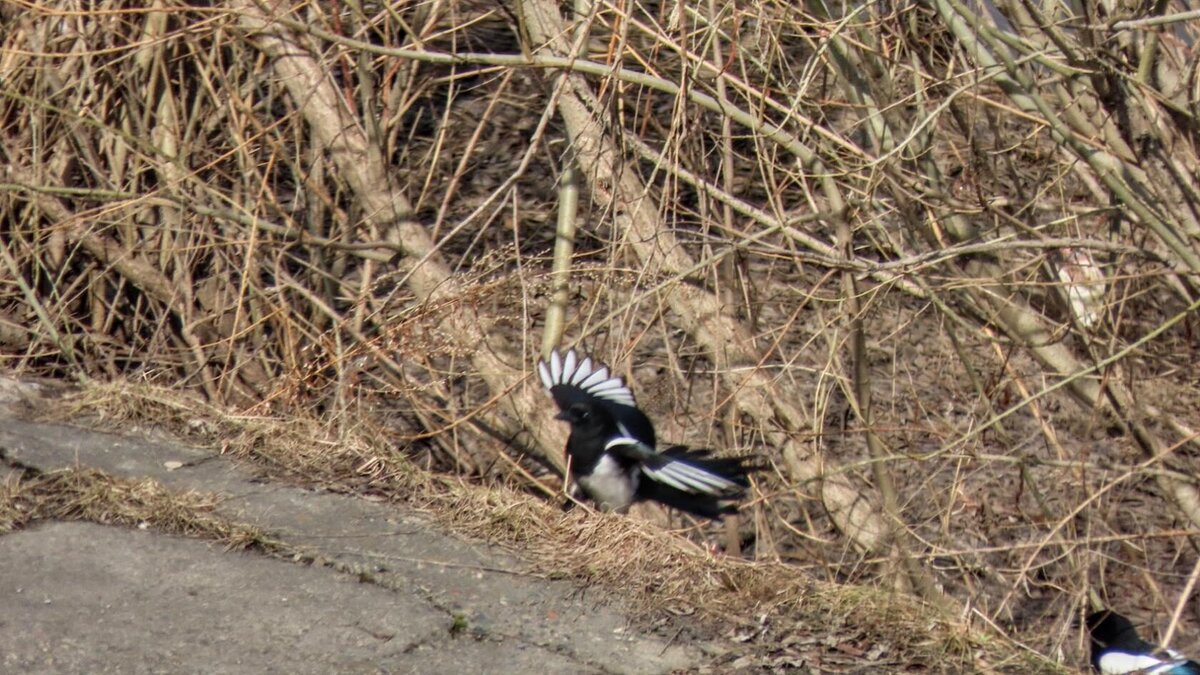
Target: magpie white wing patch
point(677, 473)
point(1121, 663)
point(689, 478)
point(592, 378)
point(641, 448)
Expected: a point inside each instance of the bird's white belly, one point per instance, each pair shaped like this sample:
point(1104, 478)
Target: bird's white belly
point(609, 485)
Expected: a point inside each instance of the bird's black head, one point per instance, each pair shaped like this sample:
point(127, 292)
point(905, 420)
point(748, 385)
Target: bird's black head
point(584, 417)
point(1108, 628)
point(597, 404)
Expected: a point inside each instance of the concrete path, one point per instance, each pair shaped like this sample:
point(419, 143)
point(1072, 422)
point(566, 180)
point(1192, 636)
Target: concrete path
point(85, 598)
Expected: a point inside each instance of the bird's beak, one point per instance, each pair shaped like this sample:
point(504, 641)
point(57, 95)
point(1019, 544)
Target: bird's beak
point(562, 416)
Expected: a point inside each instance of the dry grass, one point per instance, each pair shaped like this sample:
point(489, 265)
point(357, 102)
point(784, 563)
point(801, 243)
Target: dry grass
point(843, 242)
point(86, 494)
point(775, 614)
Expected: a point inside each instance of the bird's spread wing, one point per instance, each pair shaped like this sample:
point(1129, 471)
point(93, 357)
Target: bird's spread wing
point(1117, 649)
point(569, 376)
point(1121, 663)
point(681, 470)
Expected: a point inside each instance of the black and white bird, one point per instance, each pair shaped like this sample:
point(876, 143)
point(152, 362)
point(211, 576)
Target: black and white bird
point(1117, 649)
point(612, 451)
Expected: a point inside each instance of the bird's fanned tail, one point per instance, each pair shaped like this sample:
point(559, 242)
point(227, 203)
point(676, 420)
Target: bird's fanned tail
point(568, 378)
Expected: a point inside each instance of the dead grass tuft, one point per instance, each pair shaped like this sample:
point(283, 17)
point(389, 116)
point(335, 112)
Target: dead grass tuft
point(94, 496)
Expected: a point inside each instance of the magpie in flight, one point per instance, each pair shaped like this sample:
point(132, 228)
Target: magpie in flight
point(612, 452)
point(1117, 649)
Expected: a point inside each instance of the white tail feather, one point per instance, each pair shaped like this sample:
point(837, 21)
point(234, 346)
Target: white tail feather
point(570, 362)
point(568, 369)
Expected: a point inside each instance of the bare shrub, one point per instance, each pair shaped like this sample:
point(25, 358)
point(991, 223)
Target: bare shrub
point(937, 264)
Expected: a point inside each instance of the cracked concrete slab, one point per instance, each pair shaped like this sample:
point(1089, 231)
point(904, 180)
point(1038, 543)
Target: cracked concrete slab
point(515, 622)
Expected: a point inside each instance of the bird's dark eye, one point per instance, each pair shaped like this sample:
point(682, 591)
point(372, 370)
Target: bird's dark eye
point(584, 415)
